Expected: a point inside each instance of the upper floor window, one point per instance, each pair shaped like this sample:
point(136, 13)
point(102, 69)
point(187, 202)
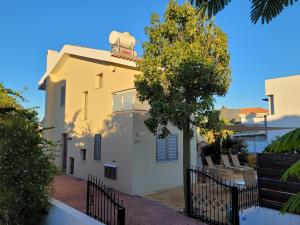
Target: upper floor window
point(62, 96)
point(166, 148)
point(85, 105)
point(97, 147)
point(99, 80)
point(123, 101)
point(127, 100)
point(271, 104)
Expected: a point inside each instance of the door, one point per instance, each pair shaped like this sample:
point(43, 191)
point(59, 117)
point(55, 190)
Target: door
point(71, 160)
point(65, 151)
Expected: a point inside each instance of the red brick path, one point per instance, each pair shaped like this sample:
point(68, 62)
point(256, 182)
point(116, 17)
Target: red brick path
point(139, 210)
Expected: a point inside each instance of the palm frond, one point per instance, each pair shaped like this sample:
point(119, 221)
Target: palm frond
point(292, 205)
point(266, 10)
point(292, 172)
point(288, 143)
point(211, 6)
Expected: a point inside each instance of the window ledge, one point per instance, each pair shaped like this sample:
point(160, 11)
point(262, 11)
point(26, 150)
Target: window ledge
point(166, 161)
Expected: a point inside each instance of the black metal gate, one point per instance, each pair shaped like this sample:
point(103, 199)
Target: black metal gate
point(102, 204)
point(212, 200)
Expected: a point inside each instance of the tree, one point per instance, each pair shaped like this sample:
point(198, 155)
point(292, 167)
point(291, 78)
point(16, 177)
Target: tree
point(266, 10)
point(185, 64)
point(25, 163)
point(289, 143)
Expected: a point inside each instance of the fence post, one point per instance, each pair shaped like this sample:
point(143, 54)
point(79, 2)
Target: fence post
point(121, 216)
point(88, 197)
point(189, 199)
point(235, 206)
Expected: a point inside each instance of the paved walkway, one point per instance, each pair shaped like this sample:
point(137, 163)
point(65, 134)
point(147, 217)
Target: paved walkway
point(139, 210)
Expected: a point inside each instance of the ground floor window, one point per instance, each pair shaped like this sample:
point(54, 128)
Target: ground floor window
point(82, 154)
point(97, 147)
point(167, 148)
point(71, 163)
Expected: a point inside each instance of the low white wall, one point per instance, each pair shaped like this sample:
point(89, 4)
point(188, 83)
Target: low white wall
point(62, 214)
point(266, 216)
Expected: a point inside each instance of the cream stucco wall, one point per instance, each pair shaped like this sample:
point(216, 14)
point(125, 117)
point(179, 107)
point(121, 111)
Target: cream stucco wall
point(286, 93)
point(125, 138)
point(286, 105)
point(150, 174)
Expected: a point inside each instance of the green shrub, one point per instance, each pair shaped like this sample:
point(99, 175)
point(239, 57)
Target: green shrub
point(251, 160)
point(25, 165)
point(229, 146)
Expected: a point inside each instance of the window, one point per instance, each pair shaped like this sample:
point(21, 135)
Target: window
point(123, 101)
point(97, 147)
point(62, 96)
point(85, 105)
point(166, 148)
point(82, 154)
point(271, 104)
point(99, 80)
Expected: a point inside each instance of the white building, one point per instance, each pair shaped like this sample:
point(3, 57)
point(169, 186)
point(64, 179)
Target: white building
point(284, 105)
point(249, 125)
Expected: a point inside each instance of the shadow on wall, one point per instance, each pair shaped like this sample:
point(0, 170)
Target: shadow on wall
point(117, 140)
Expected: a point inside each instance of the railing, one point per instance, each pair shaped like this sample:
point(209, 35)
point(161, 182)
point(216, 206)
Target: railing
point(215, 200)
point(248, 197)
point(102, 204)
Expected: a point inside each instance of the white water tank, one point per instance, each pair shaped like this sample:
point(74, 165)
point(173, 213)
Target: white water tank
point(123, 40)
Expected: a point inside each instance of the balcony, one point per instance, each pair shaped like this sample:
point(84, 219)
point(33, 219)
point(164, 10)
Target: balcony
point(127, 100)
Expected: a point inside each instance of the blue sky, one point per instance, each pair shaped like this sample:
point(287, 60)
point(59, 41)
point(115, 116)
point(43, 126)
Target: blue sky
point(29, 28)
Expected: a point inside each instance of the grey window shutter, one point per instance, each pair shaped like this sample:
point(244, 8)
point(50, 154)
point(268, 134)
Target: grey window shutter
point(172, 147)
point(97, 147)
point(161, 149)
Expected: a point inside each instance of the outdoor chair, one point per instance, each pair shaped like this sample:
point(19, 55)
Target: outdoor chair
point(250, 178)
point(227, 164)
point(215, 169)
point(210, 163)
point(236, 162)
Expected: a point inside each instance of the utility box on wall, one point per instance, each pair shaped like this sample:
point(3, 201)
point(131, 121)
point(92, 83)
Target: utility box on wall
point(110, 171)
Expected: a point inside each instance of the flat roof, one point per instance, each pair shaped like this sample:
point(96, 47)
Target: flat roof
point(101, 55)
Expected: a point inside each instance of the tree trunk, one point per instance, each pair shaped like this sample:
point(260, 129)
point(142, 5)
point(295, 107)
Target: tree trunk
point(186, 161)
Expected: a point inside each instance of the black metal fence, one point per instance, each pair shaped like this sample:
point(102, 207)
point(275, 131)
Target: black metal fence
point(248, 197)
point(215, 200)
point(102, 204)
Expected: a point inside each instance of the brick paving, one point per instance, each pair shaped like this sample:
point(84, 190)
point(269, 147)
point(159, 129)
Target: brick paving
point(139, 210)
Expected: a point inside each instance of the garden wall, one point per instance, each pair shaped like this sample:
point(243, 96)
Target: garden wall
point(63, 214)
point(273, 192)
point(265, 216)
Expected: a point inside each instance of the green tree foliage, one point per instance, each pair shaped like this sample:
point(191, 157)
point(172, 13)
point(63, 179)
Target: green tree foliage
point(264, 10)
point(25, 163)
point(185, 64)
point(289, 143)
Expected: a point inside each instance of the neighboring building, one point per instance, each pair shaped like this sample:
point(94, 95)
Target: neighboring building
point(91, 103)
point(283, 115)
point(283, 97)
point(248, 124)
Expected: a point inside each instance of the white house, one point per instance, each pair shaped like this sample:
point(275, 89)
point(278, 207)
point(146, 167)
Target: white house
point(284, 105)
